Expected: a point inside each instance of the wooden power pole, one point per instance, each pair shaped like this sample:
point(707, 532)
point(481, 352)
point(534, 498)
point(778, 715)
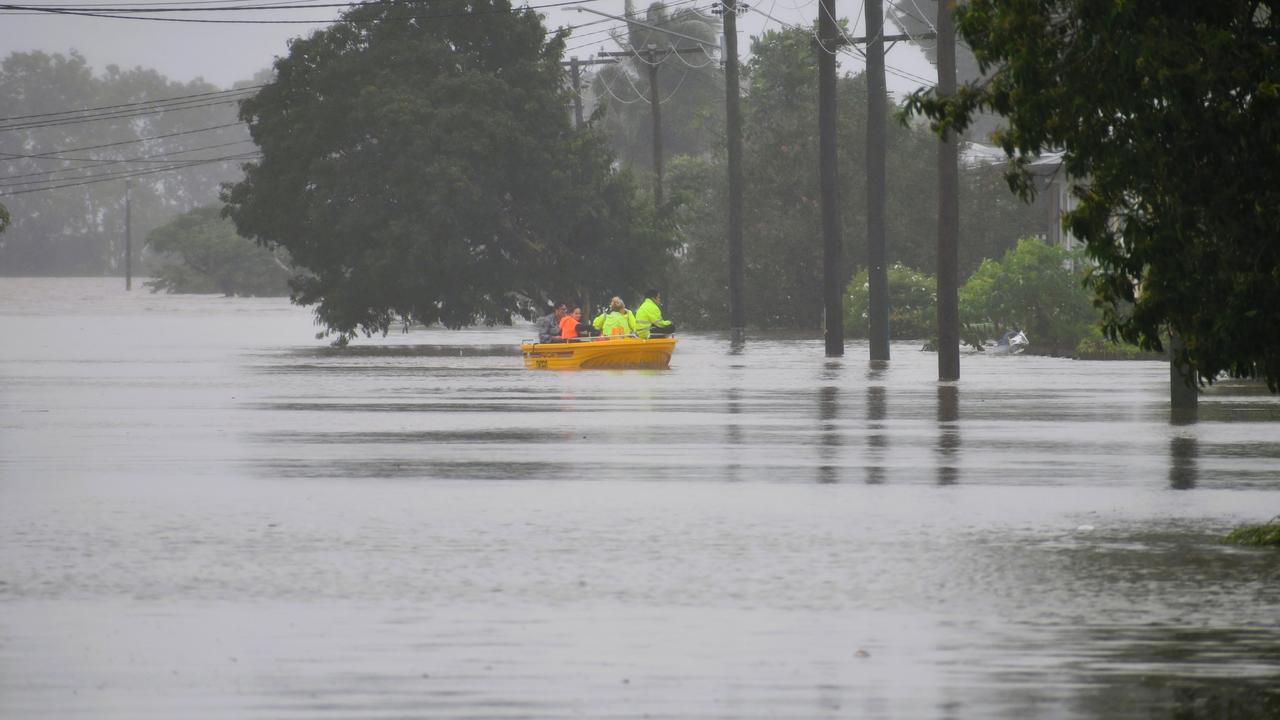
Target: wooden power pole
point(948, 207)
point(128, 235)
point(575, 76)
point(828, 41)
point(877, 273)
point(733, 128)
point(655, 109)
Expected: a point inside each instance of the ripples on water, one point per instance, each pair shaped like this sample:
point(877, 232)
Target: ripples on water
point(205, 512)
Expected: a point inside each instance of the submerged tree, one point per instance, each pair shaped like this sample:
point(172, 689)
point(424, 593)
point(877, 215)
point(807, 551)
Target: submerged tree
point(1168, 115)
point(426, 170)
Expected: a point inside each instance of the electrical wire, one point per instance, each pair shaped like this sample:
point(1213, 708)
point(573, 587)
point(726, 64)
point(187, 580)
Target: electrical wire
point(437, 16)
point(15, 156)
point(117, 176)
point(116, 116)
point(99, 162)
point(175, 98)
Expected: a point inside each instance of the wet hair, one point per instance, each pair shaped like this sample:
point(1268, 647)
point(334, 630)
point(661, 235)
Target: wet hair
point(650, 294)
point(617, 304)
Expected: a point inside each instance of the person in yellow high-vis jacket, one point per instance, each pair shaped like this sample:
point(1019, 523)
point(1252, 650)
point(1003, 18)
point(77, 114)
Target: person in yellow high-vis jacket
point(616, 321)
point(649, 319)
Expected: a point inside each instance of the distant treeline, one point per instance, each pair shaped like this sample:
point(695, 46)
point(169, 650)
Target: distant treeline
point(71, 138)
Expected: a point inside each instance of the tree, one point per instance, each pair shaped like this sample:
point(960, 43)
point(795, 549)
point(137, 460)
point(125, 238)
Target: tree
point(73, 227)
point(1029, 289)
point(690, 88)
point(427, 172)
point(1168, 117)
point(200, 252)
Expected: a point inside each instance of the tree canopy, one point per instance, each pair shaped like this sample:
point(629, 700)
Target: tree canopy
point(428, 172)
point(1168, 118)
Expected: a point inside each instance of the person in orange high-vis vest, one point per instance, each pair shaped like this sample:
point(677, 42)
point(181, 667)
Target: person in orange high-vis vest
point(569, 324)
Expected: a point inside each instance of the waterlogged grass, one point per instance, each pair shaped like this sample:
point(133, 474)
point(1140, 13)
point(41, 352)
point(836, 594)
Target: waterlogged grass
point(1264, 535)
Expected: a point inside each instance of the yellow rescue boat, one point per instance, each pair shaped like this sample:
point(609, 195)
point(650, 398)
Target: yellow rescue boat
point(623, 352)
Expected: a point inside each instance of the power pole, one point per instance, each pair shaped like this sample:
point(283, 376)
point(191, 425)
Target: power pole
point(828, 41)
point(948, 207)
point(877, 273)
point(655, 104)
point(733, 128)
point(576, 78)
point(128, 236)
point(655, 108)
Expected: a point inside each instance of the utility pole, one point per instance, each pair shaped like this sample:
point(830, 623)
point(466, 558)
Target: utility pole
point(576, 78)
point(828, 41)
point(655, 109)
point(948, 206)
point(877, 273)
point(649, 57)
point(128, 236)
point(733, 128)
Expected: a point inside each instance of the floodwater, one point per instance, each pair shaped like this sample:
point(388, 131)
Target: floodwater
point(205, 512)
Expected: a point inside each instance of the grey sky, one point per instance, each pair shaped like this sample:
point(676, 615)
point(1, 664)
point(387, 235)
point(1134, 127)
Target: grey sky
point(223, 54)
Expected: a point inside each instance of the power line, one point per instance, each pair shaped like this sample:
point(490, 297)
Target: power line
point(92, 13)
point(15, 156)
point(137, 173)
point(99, 162)
point(175, 98)
point(117, 115)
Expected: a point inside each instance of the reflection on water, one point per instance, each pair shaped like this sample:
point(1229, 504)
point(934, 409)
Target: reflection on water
point(205, 512)
point(948, 433)
point(1182, 463)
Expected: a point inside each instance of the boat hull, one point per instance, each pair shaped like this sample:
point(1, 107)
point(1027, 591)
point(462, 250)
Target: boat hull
point(619, 353)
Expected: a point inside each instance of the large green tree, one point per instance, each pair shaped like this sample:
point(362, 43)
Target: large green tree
point(426, 170)
point(1168, 117)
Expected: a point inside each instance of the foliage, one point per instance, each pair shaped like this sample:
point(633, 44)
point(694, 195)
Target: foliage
point(1096, 346)
point(1267, 533)
point(79, 229)
point(690, 88)
point(782, 228)
point(1169, 115)
point(427, 172)
point(913, 301)
point(1030, 289)
point(201, 253)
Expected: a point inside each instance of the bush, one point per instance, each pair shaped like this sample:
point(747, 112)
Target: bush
point(202, 253)
point(1030, 289)
point(912, 304)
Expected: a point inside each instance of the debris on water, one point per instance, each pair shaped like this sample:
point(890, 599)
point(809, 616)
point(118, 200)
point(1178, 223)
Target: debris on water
point(862, 653)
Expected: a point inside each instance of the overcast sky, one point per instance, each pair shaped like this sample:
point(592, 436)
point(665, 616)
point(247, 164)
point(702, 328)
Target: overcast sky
point(223, 54)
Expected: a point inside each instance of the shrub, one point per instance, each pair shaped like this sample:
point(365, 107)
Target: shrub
point(1030, 289)
point(912, 304)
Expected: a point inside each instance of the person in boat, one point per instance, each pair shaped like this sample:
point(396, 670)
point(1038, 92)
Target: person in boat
point(549, 325)
point(571, 325)
point(649, 319)
point(616, 321)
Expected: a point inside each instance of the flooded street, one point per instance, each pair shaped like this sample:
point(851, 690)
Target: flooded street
point(205, 512)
